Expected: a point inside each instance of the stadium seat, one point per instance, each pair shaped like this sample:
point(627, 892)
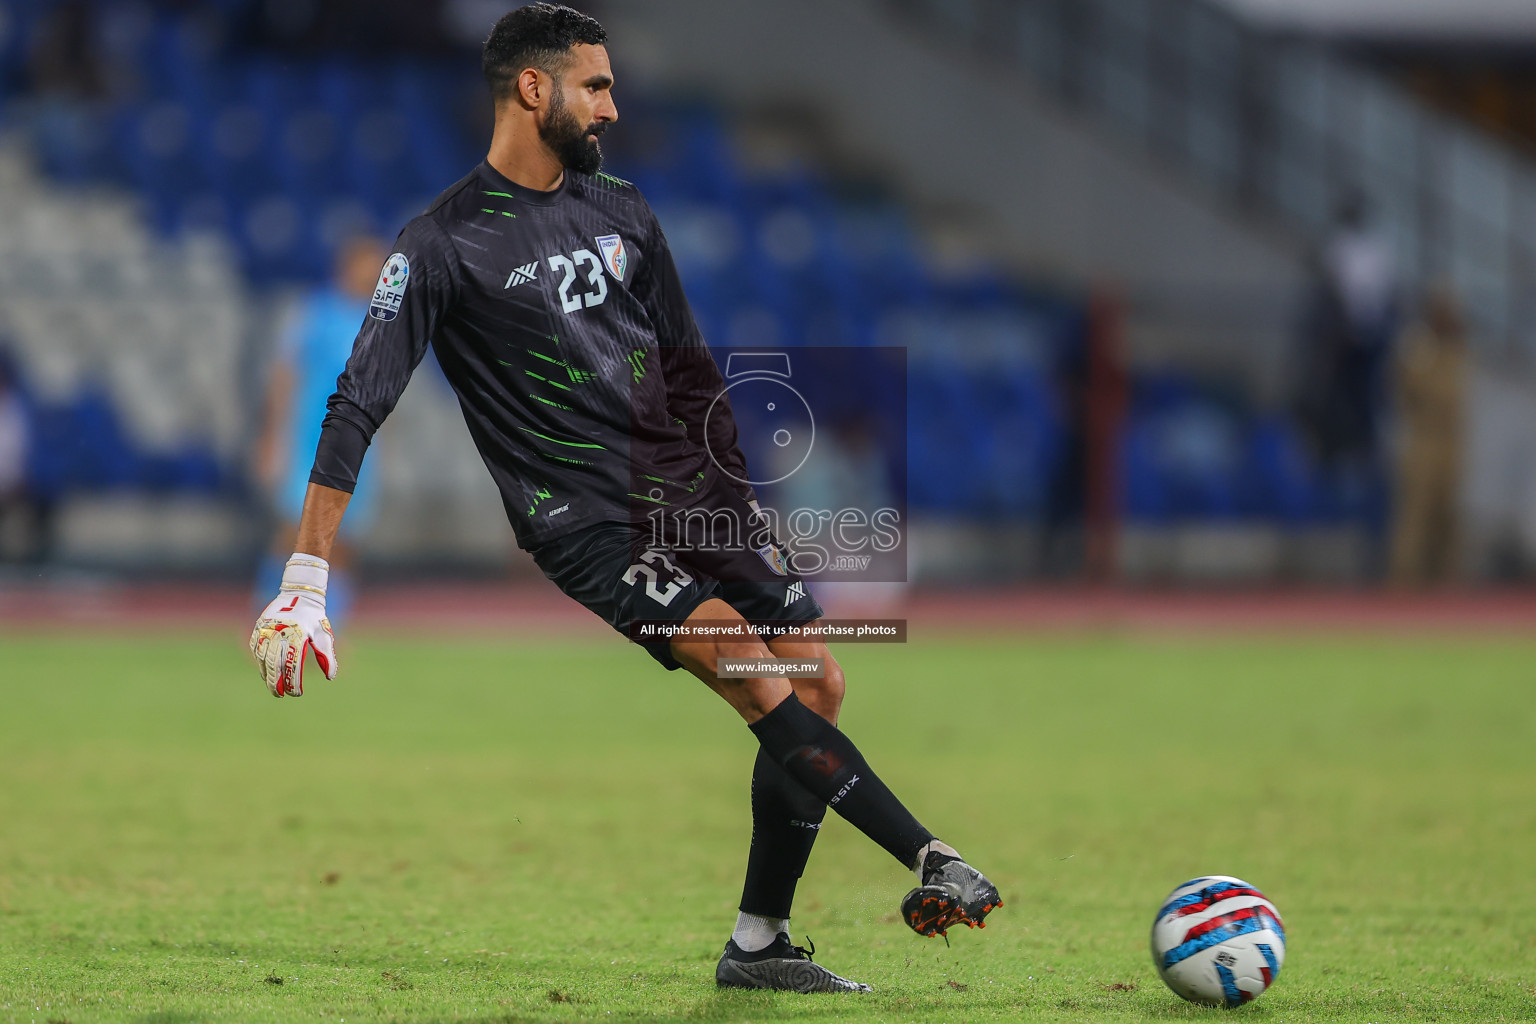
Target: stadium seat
point(249, 149)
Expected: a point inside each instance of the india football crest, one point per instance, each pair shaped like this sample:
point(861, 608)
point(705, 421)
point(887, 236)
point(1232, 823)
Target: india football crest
point(774, 558)
point(614, 257)
point(390, 291)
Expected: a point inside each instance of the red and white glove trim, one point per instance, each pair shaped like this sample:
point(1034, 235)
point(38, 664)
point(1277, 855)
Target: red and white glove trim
point(293, 625)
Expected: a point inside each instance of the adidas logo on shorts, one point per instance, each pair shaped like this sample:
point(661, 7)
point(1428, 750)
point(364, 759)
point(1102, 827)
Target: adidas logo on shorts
point(794, 592)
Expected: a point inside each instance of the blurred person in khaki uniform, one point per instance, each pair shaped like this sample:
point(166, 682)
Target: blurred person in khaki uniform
point(1431, 383)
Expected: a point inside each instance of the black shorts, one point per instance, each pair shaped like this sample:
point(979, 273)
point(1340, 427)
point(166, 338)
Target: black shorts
point(627, 574)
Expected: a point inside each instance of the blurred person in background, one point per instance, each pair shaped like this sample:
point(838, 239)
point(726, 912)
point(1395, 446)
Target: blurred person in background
point(1352, 320)
point(20, 511)
point(1431, 385)
point(311, 354)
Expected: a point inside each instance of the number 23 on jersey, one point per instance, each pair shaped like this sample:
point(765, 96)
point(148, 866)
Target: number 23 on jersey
point(594, 287)
point(582, 281)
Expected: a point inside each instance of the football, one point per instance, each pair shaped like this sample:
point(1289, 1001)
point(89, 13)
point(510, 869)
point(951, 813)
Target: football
point(1218, 940)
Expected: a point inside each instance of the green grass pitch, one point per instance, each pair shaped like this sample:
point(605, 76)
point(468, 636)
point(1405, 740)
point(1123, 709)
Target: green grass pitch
point(549, 831)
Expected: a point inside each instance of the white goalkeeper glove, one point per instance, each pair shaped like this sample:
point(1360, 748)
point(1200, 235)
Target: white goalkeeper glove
point(292, 625)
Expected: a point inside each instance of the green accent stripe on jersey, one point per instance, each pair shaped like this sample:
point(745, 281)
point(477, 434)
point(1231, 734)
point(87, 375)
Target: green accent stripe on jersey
point(647, 497)
point(546, 380)
point(689, 487)
point(546, 401)
point(561, 458)
point(572, 444)
point(576, 376)
point(500, 195)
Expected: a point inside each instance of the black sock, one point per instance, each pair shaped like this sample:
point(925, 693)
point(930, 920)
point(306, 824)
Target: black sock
point(824, 761)
point(785, 820)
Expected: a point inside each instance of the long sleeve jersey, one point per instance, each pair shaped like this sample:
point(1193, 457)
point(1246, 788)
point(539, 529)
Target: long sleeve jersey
point(561, 325)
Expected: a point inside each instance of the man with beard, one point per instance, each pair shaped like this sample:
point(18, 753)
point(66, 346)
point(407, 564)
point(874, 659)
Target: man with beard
point(549, 295)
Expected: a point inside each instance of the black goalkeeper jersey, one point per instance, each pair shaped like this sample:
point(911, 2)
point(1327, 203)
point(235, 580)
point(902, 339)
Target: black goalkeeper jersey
point(559, 320)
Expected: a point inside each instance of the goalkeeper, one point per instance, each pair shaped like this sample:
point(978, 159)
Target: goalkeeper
point(549, 296)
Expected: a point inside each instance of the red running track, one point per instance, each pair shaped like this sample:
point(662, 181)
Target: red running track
point(536, 608)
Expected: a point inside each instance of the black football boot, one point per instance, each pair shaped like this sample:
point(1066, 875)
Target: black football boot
point(952, 893)
point(781, 966)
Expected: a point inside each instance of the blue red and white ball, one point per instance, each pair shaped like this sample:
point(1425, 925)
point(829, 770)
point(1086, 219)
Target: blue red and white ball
point(1219, 941)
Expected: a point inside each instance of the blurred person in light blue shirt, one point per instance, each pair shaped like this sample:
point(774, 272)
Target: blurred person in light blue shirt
point(311, 354)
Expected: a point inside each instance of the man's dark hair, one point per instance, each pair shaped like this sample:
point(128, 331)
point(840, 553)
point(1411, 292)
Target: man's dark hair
point(536, 36)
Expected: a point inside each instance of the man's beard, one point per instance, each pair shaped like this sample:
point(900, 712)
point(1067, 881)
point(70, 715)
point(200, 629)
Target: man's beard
point(568, 140)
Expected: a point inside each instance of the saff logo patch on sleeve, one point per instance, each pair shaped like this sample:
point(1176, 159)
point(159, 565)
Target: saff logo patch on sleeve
point(390, 291)
point(614, 256)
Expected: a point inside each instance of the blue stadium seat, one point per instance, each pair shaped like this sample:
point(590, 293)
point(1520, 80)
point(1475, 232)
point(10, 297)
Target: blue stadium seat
point(1284, 475)
point(1183, 455)
point(288, 156)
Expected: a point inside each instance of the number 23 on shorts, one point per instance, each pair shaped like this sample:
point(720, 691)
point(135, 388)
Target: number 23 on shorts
point(647, 567)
